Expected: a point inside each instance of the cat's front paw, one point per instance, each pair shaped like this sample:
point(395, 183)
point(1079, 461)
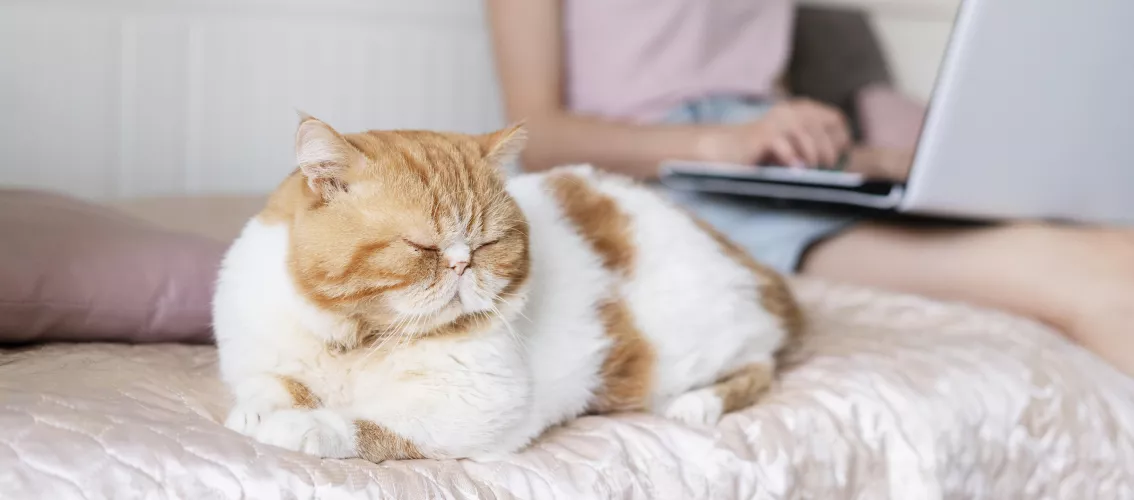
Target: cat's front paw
point(321, 433)
point(701, 407)
point(245, 418)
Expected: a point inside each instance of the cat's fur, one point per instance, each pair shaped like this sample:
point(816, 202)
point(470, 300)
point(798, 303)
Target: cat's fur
point(396, 299)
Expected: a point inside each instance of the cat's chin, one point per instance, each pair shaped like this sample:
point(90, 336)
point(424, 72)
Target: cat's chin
point(463, 301)
point(442, 316)
point(466, 300)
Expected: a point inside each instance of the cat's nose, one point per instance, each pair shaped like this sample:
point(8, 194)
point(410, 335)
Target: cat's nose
point(459, 266)
point(458, 256)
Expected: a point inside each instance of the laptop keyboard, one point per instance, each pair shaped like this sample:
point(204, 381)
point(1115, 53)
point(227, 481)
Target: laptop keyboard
point(811, 176)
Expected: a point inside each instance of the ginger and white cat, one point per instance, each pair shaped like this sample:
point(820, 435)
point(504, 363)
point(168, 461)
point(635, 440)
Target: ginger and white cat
point(397, 298)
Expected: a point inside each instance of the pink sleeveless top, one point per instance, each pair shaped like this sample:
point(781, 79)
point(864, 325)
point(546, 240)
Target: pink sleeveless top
point(638, 59)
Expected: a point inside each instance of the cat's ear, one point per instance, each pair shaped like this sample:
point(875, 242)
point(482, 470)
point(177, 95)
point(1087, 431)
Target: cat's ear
point(504, 145)
point(323, 156)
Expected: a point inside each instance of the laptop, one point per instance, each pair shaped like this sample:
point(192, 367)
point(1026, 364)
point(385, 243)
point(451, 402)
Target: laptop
point(1031, 117)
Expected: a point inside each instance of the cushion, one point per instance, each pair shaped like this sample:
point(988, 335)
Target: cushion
point(889, 119)
point(76, 271)
point(218, 216)
point(835, 54)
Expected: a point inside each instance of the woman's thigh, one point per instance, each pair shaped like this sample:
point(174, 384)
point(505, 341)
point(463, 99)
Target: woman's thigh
point(1078, 279)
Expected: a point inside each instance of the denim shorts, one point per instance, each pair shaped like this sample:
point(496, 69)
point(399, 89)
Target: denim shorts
point(775, 235)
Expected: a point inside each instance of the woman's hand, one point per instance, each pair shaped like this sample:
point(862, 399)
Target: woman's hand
point(798, 132)
point(890, 164)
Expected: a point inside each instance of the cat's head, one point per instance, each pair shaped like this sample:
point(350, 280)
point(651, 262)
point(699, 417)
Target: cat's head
point(406, 232)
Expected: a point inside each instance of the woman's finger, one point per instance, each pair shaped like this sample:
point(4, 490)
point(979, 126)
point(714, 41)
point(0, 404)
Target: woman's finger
point(843, 136)
point(840, 137)
point(828, 150)
point(833, 126)
point(841, 141)
point(830, 118)
point(805, 144)
point(783, 152)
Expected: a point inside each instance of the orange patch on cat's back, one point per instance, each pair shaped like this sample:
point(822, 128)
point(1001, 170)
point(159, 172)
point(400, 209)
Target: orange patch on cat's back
point(598, 219)
point(628, 369)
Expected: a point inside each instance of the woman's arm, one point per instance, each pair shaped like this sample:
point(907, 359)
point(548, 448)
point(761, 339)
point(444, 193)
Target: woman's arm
point(527, 36)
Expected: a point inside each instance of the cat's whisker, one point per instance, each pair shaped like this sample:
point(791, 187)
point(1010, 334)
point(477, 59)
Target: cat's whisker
point(507, 325)
point(398, 326)
point(376, 347)
point(395, 331)
point(408, 329)
point(407, 334)
point(498, 298)
point(501, 299)
point(496, 311)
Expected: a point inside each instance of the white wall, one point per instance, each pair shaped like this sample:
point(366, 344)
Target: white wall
point(122, 98)
point(125, 98)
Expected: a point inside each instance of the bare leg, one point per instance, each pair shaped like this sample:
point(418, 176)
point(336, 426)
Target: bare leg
point(1078, 279)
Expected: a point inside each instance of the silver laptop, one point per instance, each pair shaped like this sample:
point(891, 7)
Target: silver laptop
point(1032, 117)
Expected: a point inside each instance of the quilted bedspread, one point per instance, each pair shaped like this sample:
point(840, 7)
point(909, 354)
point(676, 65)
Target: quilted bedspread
point(891, 397)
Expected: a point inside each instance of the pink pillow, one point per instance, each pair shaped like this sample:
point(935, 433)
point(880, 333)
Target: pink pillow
point(889, 119)
point(76, 271)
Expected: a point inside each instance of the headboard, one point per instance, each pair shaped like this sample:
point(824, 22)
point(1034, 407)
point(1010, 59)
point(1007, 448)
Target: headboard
point(120, 98)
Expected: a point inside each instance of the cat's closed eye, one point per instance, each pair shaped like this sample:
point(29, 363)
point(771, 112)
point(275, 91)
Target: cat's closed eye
point(487, 244)
point(421, 246)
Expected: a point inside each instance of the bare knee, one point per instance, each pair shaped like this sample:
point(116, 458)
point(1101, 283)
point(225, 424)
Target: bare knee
point(1081, 274)
point(1098, 296)
point(1105, 326)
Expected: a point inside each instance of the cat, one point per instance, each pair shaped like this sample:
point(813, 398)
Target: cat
point(397, 298)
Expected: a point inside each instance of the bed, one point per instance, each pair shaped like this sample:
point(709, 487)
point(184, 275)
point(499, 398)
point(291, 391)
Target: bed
point(891, 396)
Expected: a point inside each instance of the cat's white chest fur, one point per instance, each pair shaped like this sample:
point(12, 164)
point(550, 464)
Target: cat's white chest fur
point(696, 310)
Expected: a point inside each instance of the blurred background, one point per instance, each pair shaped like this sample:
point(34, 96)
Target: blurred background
point(108, 99)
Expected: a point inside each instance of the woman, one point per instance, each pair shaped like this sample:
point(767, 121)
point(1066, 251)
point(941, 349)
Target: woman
point(625, 84)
